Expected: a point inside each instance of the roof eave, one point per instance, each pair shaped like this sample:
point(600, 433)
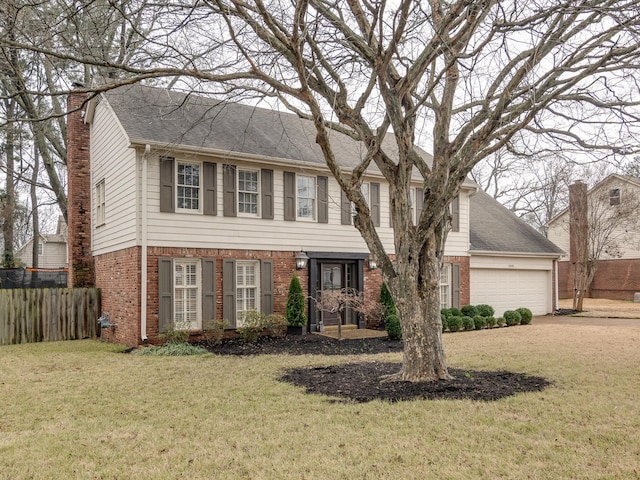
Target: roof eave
point(493, 253)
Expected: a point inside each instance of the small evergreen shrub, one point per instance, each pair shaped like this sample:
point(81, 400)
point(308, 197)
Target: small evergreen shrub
point(215, 332)
point(485, 310)
point(445, 312)
point(393, 328)
point(252, 326)
point(469, 311)
point(295, 303)
point(444, 320)
point(467, 323)
point(480, 322)
point(454, 323)
point(525, 316)
point(387, 300)
point(511, 317)
point(491, 321)
point(455, 312)
point(500, 322)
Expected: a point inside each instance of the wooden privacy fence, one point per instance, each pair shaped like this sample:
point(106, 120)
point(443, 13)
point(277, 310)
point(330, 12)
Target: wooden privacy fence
point(48, 314)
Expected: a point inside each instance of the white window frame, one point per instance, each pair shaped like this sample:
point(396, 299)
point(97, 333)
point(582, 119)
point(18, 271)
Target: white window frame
point(100, 203)
point(179, 293)
point(445, 282)
point(40, 248)
point(197, 188)
point(242, 287)
point(314, 199)
point(240, 170)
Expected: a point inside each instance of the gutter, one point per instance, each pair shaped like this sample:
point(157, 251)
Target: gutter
point(144, 242)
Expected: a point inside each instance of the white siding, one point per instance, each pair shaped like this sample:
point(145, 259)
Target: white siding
point(54, 255)
point(558, 233)
point(507, 283)
point(113, 161)
point(200, 231)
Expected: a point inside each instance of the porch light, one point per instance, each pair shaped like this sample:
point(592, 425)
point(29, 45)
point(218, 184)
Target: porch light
point(301, 260)
point(372, 264)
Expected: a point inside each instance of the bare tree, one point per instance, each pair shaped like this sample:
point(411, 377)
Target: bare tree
point(601, 224)
point(475, 74)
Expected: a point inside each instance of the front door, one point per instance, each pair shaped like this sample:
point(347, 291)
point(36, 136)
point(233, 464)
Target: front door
point(335, 277)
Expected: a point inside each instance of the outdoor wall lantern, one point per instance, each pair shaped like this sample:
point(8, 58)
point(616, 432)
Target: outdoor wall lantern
point(372, 264)
point(301, 260)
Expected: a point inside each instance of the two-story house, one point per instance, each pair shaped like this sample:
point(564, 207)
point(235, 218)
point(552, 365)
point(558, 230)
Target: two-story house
point(185, 209)
point(613, 232)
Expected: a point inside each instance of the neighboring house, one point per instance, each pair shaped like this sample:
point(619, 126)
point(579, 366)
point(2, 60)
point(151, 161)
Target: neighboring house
point(52, 249)
point(618, 273)
point(200, 210)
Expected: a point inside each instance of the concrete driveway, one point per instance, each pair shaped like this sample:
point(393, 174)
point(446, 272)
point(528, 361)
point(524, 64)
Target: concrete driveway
point(597, 311)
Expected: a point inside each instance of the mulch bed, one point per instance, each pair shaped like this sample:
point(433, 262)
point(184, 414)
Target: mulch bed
point(361, 381)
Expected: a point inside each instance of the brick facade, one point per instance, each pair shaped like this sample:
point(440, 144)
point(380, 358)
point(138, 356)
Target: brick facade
point(614, 279)
point(81, 267)
point(118, 277)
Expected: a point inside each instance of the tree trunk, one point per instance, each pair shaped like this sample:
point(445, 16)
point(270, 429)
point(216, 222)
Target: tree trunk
point(9, 200)
point(416, 291)
point(34, 208)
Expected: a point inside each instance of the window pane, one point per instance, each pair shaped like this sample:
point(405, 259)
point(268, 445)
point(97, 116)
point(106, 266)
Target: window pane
point(188, 183)
point(306, 197)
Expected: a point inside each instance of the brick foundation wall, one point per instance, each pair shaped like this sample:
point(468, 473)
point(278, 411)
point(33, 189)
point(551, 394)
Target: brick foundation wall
point(118, 277)
point(614, 279)
point(81, 268)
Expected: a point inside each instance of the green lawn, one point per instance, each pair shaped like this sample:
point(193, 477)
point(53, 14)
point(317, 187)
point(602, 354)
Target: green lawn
point(83, 410)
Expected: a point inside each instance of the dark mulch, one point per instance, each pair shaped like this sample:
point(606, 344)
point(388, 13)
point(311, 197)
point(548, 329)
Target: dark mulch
point(361, 381)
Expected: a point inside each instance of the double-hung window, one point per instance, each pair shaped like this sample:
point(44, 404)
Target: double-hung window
point(306, 197)
point(188, 186)
point(247, 295)
point(186, 294)
point(100, 203)
point(248, 192)
point(445, 286)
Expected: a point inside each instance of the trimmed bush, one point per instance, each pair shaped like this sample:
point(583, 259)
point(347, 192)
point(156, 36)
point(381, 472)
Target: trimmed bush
point(491, 321)
point(387, 300)
point(454, 323)
point(444, 320)
point(500, 322)
point(455, 312)
point(485, 310)
point(276, 325)
point(480, 322)
point(525, 316)
point(295, 303)
point(511, 317)
point(393, 328)
point(468, 323)
point(445, 312)
point(469, 311)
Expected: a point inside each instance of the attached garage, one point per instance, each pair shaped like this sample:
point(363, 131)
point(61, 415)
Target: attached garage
point(508, 289)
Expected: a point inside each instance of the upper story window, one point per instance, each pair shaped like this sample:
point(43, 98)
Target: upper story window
point(188, 186)
point(248, 191)
point(100, 203)
point(614, 196)
point(306, 197)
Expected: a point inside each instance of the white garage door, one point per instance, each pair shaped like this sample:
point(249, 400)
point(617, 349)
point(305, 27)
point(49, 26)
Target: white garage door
point(511, 289)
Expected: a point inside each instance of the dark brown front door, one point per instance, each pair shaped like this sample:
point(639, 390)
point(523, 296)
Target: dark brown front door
point(331, 279)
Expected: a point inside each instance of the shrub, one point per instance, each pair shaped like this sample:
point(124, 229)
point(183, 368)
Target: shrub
point(511, 317)
point(173, 349)
point(455, 312)
point(176, 334)
point(485, 310)
point(479, 321)
point(454, 323)
point(392, 325)
point(525, 316)
point(444, 320)
point(467, 323)
point(276, 325)
point(387, 300)
point(469, 311)
point(500, 322)
point(445, 312)
point(295, 303)
point(491, 321)
point(215, 330)
point(252, 326)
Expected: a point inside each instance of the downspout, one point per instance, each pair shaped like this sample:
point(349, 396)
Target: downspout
point(556, 292)
point(143, 242)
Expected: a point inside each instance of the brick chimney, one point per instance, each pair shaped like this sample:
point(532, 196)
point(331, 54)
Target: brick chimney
point(578, 222)
point(81, 268)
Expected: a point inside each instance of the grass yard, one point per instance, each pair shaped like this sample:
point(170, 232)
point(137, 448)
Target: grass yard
point(83, 410)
